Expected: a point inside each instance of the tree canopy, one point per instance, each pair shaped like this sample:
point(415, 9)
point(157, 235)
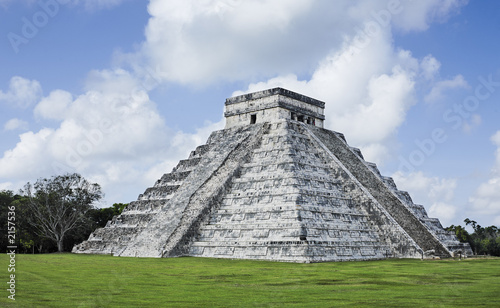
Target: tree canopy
point(54, 214)
point(59, 204)
point(483, 241)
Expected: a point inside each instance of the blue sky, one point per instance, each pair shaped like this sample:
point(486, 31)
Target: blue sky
point(120, 90)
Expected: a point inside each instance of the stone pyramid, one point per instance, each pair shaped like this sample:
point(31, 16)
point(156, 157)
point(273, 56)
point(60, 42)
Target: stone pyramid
point(274, 185)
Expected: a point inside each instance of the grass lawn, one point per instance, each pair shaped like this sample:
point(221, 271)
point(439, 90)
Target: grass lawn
point(67, 280)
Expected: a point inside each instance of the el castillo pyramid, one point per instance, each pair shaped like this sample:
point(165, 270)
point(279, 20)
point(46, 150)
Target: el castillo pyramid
point(274, 185)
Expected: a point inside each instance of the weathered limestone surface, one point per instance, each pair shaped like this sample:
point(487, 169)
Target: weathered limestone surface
point(274, 185)
point(427, 232)
point(292, 203)
point(271, 105)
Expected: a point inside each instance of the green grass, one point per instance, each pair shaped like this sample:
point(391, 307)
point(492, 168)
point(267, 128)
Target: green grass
point(66, 280)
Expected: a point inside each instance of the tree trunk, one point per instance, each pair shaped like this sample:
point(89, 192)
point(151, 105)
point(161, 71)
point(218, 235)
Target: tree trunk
point(60, 247)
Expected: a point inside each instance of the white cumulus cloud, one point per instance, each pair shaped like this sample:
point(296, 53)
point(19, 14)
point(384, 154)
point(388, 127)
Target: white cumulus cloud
point(436, 194)
point(15, 124)
point(418, 15)
point(54, 106)
point(486, 200)
point(444, 211)
point(430, 67)
point(339, 51)
point(207, 41)
point(22, 92)
point(116, 138)
point(436, 92)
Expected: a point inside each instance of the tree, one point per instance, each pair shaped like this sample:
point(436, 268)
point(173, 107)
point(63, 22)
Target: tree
point(483, 240)
point(7, 197)
point(462, 234)
point(118, 208)
point(59, 204)
point(99, 217)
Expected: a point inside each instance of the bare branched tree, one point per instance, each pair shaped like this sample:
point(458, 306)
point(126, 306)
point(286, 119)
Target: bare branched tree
point(57, 205)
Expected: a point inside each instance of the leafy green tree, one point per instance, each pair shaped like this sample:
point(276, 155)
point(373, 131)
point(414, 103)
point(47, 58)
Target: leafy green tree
point(99, 217)
point(7, 197)
point(496, 248)
point(484, 240)
point(94, 218)
point(59, 205)
point(119, 207)
point(462, 234)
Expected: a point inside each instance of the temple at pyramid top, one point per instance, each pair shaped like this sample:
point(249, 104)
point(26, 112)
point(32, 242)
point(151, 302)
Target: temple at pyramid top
point(272, 105)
